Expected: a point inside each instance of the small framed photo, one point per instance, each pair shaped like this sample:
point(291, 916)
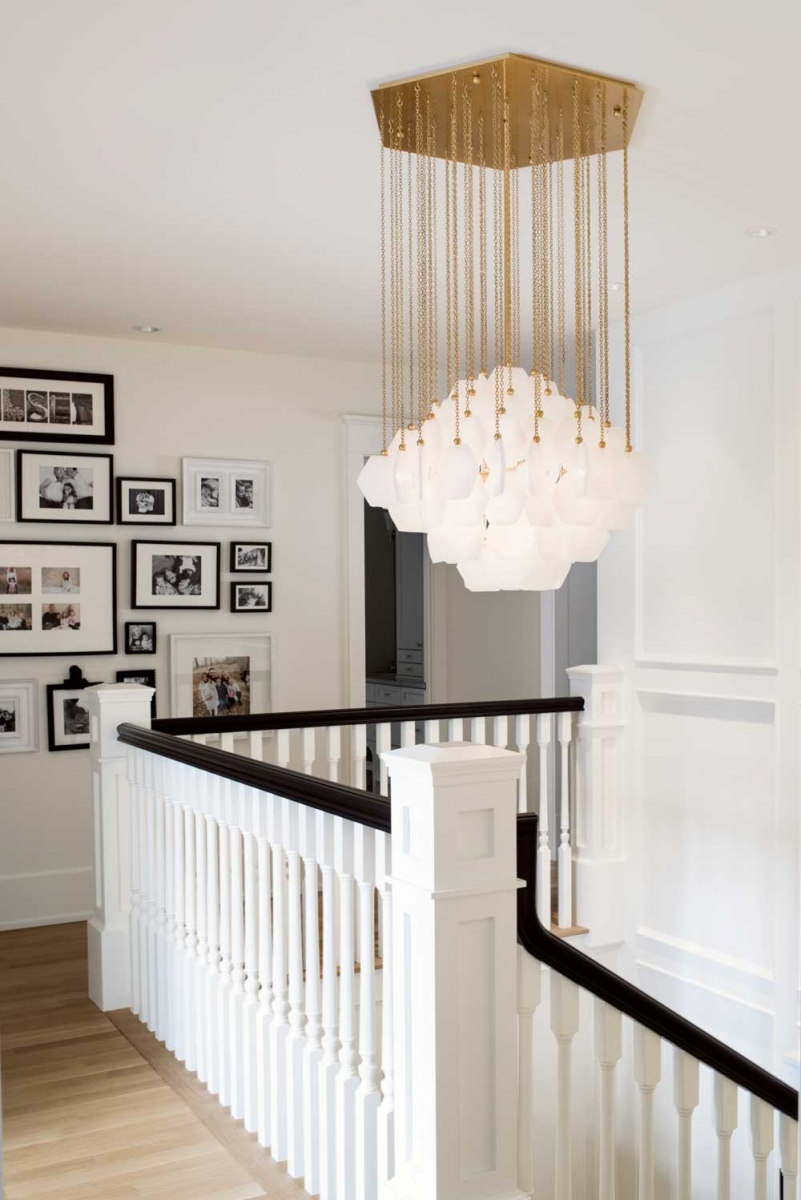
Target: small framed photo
point(145, 501)
point(251, 597)
point(175, 574)
point(68, 713)
point(6, 485)
point(58, 488)
point(251, 556)
point(56, 406)
point(220, 674)
point(58, 598)
point(19, 720)
point(146, 678)
point(140, 637)
point(226, 492)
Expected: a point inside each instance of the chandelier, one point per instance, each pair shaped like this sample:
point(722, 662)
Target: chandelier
point(515, 474)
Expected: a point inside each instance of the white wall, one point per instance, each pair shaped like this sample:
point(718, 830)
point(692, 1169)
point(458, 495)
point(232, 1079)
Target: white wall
point(173, 401)
point(699, 601)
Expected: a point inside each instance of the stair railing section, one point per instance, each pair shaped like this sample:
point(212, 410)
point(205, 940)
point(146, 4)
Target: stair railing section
point(662, 1160)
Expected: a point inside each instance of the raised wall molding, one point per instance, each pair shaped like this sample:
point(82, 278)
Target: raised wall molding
point(34, 898)
point(655, 939)
point(709, 705)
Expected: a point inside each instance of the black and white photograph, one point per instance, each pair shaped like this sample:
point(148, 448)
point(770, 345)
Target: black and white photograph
point(16, 618)
point(146, 677)
point(8, 716)
point(68, 713)
point(19, 726)
point(55, 406)
point(251, 556)
point(61, 616)
point(75, 715)
point(142, 501)
point(175, 574)
point(226, 492)
point(55, 487)
point(209, 491)
point(15, 581)
point(140, 637)
point(252, 597)
point(61, 581)
point(243, 493)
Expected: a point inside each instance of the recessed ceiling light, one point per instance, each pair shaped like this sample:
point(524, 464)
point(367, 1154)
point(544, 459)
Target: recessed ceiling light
point(147, 328)
point(760, 231)
point(616, 287)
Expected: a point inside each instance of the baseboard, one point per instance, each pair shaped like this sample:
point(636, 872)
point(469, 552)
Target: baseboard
point(46, 897)
point(40, 922)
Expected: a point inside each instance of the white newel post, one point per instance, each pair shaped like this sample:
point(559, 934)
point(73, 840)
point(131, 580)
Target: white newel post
point(454, 887)
point(111, 705)
point(599, 856)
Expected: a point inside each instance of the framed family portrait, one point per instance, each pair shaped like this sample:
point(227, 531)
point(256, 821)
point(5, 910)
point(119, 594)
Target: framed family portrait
point(6, 485)
point(252, 597)
point(175, 574)
point(226, 492)
point(56, 406)
point(68, 713)
point(58, 598)
point(140, 637)
point(55, 488)
point(145, 501)
point(145, 677)
point(220, 674)
point(19, 721)
point(251, 556)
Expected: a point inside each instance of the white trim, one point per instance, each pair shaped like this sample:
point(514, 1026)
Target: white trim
point(40, 922)
point(738, 966)
point(707, 704)
point(6, 485)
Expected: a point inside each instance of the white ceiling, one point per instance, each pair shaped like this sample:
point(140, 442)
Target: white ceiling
point(210, 166)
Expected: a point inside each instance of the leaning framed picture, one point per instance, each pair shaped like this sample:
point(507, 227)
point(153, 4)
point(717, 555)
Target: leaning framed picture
point(142, 501)
point(58, 598)
point(56, 406)
point(19, 721)
point(145, 677)
point(55, 488)
point(226, 492)
point(68, 713)
point(140, 637)
point(255, 596)
point(251, 556)
point(175, 574)
point(220, 674)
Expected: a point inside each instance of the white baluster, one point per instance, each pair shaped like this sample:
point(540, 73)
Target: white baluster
point(788, 1147)
point(529, 994)
point(264, 1018)
point(358, 768)
point(347, 1077)
point(333, 751)
point(179, 1004)
point(386, 1111)
point(608, 1051)
point(297, 1013)
point(144, 871)
point(523, 739)
point(226, 962)
point(256, 744)
point(168, 775)
point(250, 1007)
point(227, 742)
point(368, 1095)
point(308, 742)
point(152, 897)
point(544, 723)
point(161, 899)
point(212, 983)
point(565, 858)
point(478, 731)
point(279, 1026)
point(236, 1014)
point(135, 917)
point(500, 732)
point(685, 1098)
point(202, 948)
point(329, 1065)
point(762, 1122)
point(564, 1024)
point(312, 1047)
point(282, 748)
point(383, 745)
point(190, 959)
point(647, 1072)
point(725, 1125)
point(431, 732)
point(455, 729)
point(407, 733)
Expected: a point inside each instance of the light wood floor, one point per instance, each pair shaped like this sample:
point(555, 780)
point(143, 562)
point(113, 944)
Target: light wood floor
point(94, 1106)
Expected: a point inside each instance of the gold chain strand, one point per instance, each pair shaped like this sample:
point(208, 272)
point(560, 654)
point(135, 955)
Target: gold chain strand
point(455, 252)
point(577, 227)
point(448, 307)
point(469, 259)
point(497, 133)
point(552, 301)
point(411, 276)
point(507, 236)
point(482, 244)
point(546, 200)
point(433, 333)
point(588, 281)
point(534, 114)
point(604, 167)
point(383, 290)
point(393, 366)
point(422, 340)
point(626, 288)
point(560, 250)
point(603, 276)
point(516, 262)
point(401, 292)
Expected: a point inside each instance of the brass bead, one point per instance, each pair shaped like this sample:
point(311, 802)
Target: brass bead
point(629, 449)
point(420, 442)
point(402, 446)
point(471, 391)
point(618, 110)
point(501, 411)
point(602, 444)
point(476, 77)
point(410, 426)
point(579, 440)
point(548, 392)
point(457, 441)
point(510, 391)
point(385, 453)
point(608, 424)
point(536, 438)
point(497, 437)
point(468, 412)
point(540, 414)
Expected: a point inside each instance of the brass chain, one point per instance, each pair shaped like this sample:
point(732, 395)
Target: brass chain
point(383, 287)
point(411, 277)
point(560, 250)
point(469, 252)
point(626, 286)
point(401, 313)
point(482, 244)
point(422, 256)
point(455, 251)
point(577, 230)
point(393, 164)
point(534, 114)
point(545, 220)
point(603, 276)
point(497, 220)
point(433, 313)
point(448, 306)
point(507, 238)
point(588, 268)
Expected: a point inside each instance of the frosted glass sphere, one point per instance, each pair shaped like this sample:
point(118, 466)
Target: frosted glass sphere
point(452, 545)
point(459, 470)
point(506, 508)
point(376, 481)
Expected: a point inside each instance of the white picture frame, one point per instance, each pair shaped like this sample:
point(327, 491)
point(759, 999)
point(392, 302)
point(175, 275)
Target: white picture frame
point(228, 492)
point(193, 654)
point(19, 696)
point(7, 490)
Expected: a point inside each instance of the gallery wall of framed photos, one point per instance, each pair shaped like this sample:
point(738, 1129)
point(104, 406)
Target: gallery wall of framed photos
point(268, 602)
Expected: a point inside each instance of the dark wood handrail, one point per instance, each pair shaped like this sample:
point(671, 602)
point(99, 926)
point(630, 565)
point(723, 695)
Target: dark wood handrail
point(323, 717)
point(555, 953)
point(351, 803)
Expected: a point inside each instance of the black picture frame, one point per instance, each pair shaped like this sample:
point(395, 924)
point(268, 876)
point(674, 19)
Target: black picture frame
point(237, 570)
point(216, 546)
point(124, 480)
point(244, 583)
point(149, 674)
point(74, 682)
point(129, 626)
point(54, 454)
point(62, 547)
point(45, 433)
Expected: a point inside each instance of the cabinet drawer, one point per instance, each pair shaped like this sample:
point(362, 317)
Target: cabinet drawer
point(413, 696)
point(410, 656)
point(387, 695)
point(369, 693)
point(410, 670)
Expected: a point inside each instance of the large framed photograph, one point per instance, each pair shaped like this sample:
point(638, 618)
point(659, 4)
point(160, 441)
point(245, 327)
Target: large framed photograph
point(140, 637)
point(19, 720)
point(68, 713)
point(142, 501)
point(252, 597)
point(58, 598)
point(226, 492)
point(145, 677)
point(175, 574)
point(55, 488)
point(221, 674)
point(6, 485)
point(251, 556)
point(56, 406)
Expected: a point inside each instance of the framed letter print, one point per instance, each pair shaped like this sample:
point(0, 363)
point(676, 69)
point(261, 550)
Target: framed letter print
point(221, 674)
point(55, 488)
point(67, 713)
point(19, 722)
point(58, 598)
point(145, 501)
point(251, 556)
point(56, 406)
point(175, 574)
point(226, 492)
